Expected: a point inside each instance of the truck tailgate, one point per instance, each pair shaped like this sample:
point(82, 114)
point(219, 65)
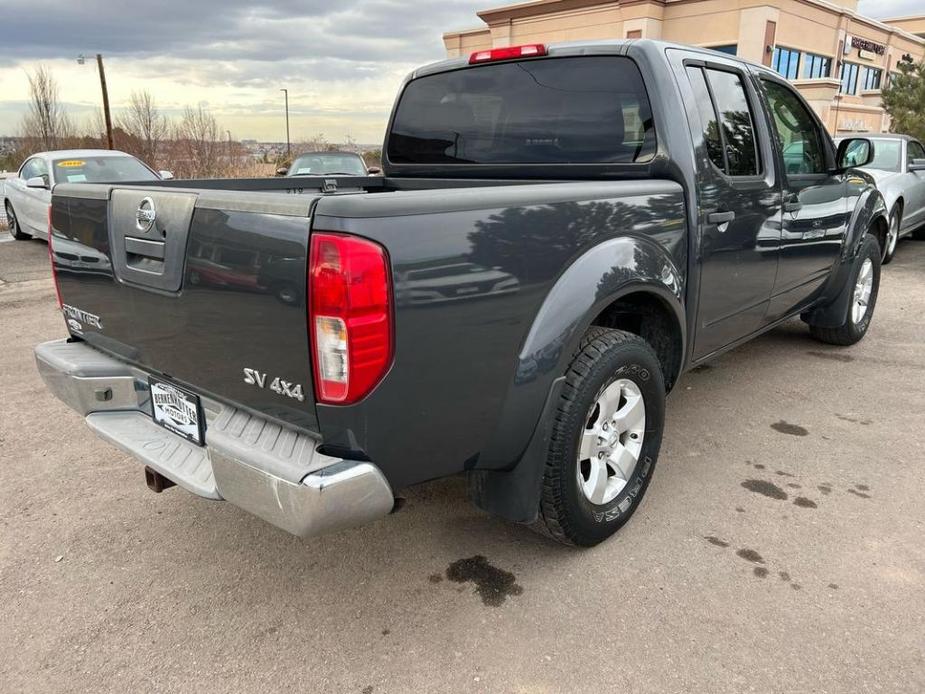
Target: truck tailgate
point(206, 289)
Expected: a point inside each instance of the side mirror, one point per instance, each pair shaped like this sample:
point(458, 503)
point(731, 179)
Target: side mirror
point(37, 182)
point(282, 171)
point(917, 165)
point(853, 153)
point(166, 175)
point(374, 170)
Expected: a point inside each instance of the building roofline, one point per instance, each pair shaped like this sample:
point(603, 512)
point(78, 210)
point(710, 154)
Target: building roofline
point(466, 32)
point(531, 8)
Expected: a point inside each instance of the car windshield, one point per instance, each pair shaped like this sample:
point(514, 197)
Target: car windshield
point(101, 170)
point(583, 110)
point(327, 164)
point(886, 155)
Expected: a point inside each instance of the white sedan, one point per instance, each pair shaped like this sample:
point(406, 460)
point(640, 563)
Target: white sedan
point(27, 196)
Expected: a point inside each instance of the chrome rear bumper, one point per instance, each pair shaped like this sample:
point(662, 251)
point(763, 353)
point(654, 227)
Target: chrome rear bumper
point(271, 471)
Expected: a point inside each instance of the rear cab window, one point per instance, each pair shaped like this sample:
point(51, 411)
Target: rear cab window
point(570, 110)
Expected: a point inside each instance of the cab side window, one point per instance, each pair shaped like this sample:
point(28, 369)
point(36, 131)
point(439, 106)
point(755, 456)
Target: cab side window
point(914, 150)
point(797, 131)
point(729, 127)
point(29, 170)
point(34, 167)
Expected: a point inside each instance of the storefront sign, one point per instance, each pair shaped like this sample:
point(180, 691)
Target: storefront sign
point(865, 45)
point(854, 124)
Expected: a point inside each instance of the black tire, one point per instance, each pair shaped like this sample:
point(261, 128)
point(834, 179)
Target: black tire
point(850, 331)
point(888, 252)
point(604, 356)
point(13, 224)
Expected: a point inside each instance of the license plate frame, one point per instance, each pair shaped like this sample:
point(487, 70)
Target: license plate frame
point(176, 409)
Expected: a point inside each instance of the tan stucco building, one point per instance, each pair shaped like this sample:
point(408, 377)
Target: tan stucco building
point(836, 57)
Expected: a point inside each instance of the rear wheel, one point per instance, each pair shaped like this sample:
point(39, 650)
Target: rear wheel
point(865, 282)
point(892, 236)
point(13, 224)
point(605, 440)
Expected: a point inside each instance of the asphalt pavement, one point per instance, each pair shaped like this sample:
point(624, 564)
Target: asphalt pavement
point(779, 548)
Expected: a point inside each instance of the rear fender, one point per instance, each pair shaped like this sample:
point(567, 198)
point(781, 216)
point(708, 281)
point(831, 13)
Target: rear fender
point(609, 271)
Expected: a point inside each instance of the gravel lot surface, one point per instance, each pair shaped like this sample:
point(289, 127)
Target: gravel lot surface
point(779, 549)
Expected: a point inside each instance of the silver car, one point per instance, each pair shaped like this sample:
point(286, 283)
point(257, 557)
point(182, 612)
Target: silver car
point(27, 196)
point(899, 170)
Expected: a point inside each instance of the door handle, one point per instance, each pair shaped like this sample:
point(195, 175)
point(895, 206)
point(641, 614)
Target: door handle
point(792, 206)
point(721, 218)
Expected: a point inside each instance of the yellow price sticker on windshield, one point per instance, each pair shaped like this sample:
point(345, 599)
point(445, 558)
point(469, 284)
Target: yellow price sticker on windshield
point(70, 164)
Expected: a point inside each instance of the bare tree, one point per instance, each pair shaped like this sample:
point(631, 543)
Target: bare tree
point(146, 126)
point(196, 149)
point(46, 125)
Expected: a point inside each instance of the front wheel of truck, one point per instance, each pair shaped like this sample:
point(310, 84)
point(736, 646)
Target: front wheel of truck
point(864, 285)
point(605, 438)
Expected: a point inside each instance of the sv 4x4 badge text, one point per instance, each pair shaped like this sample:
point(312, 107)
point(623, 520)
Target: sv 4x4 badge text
point(257, 378)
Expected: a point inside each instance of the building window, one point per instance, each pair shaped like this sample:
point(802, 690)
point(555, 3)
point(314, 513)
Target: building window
point(849, 78)
point(871, 77)
point(786, 62)
point(730, 48)
point(816, 66)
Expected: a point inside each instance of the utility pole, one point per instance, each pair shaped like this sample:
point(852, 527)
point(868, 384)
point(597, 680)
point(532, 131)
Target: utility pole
point(288, 145)
point(106, 115)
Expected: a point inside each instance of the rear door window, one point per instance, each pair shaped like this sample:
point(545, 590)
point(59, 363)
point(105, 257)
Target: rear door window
point(727, 120)
point(738, 126)
point(583, 110)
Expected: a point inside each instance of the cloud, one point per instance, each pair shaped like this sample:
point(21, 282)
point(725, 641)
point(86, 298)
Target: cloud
point(327, 54)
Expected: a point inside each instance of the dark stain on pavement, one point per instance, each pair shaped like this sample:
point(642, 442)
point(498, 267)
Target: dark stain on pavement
point(713, 540)
point(862, 487)
point(368, 689)
point(788, 428)
point(783, 474)
point(831, 356)
point(853, 420)
point(760, 572)
point(833, 586)
point(784, 576)
point(794, 485)
point(860, 494)
point(768, 489)
point(750, 555)
point(492, 584)
point(803, 502)
point(435, 578)
point(825, 488)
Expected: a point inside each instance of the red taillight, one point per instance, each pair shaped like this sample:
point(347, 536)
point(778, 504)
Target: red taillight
point(529, 50)
point(349, 316)
point(51, 258)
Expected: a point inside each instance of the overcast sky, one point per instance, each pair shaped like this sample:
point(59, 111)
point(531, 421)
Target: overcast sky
point(340, 59)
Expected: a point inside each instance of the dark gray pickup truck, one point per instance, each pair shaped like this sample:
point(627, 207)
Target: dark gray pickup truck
point(559, 233)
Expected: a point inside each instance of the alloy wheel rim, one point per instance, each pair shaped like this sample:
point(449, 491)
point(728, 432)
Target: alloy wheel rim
point(862, 291)
point(611, 442)
point(11, 220)
point(894, 235)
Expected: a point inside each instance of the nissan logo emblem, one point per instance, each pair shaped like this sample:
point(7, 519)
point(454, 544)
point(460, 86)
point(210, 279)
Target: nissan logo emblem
point(145, 216)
